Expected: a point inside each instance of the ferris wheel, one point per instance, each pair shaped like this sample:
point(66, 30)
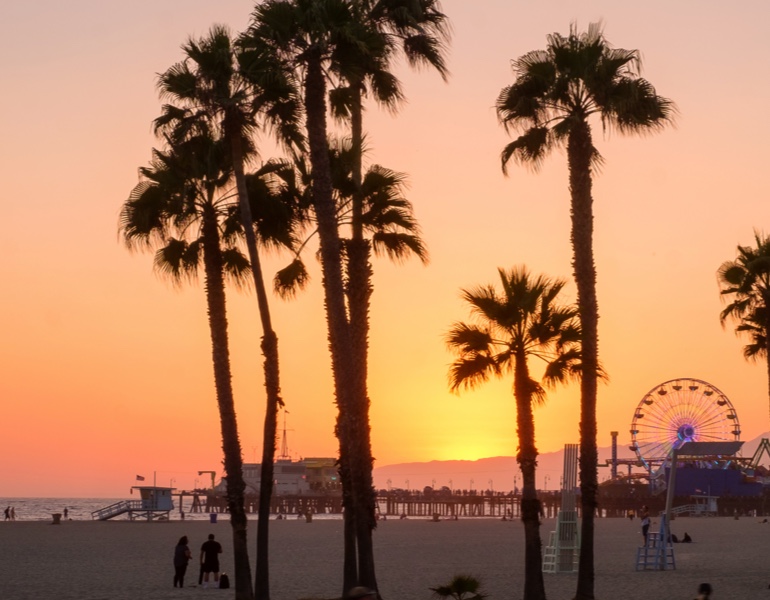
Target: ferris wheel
point(679, 411)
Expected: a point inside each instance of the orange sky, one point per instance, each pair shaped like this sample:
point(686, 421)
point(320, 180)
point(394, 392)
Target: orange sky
point(105, 369)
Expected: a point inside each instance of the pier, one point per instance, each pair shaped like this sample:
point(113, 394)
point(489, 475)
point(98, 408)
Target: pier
point(461, 503)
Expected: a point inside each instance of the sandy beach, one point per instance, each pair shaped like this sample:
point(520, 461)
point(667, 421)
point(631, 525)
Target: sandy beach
point(81, 560)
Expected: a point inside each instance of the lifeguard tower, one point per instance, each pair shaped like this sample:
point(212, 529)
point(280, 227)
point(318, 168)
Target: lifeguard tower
point(155, 503)
point(562, 553)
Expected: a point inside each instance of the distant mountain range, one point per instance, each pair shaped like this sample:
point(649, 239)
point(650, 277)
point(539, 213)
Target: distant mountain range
point(500, 473)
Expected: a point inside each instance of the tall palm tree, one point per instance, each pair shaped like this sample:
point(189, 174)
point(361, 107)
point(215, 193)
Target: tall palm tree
point(416, 30)
point(523, 321)
point(390, 228)
point(746, 281)
point(551, 103)
point(206, 91)
point(181, 208)
point(309, 37)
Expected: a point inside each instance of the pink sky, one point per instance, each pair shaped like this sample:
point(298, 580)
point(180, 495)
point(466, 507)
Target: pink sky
point(105, 369)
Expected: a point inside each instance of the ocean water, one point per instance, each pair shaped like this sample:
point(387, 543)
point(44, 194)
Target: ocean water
point(78, 509)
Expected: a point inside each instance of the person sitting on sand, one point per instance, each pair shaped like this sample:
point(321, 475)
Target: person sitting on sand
point(704, 592)
point(686, 539)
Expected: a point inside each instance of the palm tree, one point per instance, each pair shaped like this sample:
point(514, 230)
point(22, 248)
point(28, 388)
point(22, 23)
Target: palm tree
point(551, 102)
point(206, 91)
point(308, 37)
point(523, 322)
point(418, 30)
point(746, 280)
point(462, 587)
point(181, 208)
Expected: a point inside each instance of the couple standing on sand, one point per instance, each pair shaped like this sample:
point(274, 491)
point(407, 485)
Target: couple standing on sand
point(210, 551)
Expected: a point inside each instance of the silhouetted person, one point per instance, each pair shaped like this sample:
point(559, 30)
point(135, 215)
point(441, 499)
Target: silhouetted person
point(210, 551)
point(181, 557)
point(686, 539)
point(645, 516)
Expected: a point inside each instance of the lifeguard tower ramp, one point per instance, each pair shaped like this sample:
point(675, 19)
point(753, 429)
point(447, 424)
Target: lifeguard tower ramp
point(563, 550)
point(155, 504)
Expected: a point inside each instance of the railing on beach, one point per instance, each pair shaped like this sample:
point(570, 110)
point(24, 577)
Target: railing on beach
point(113, 510)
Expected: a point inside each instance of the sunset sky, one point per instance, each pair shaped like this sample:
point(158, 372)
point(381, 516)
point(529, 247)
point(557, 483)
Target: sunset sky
point(105, 368)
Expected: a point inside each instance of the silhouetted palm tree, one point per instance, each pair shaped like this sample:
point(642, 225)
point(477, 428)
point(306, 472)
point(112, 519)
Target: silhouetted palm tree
point(309, 37)
point(523, 321)
point(417, 29)
point(746, 281)
point(181, 207)
point(551, 102)
point(206, 91)
point(462, 587)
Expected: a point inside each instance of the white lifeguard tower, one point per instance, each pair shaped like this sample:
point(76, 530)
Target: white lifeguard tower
point(155, 503)
point(562, 553)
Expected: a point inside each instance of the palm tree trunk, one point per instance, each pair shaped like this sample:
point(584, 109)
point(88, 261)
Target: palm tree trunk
point(231, 445)
point(359, 294)
point(334, 292)
point(272, 385)
point(534, 584)
point(270, 367)
point(579, 152)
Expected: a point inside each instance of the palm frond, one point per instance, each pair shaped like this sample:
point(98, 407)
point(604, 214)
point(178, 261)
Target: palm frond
point(292, 278)
point(529, 148)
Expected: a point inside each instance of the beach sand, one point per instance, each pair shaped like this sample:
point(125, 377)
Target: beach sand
point(132, 560)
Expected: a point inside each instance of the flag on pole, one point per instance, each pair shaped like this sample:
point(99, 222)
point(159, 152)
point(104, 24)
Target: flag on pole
point(139, 478)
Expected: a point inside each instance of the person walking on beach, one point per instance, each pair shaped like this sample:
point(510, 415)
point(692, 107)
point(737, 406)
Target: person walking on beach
point(8, 513)
point(645, 516)
point(181, 557)
point(210, 551)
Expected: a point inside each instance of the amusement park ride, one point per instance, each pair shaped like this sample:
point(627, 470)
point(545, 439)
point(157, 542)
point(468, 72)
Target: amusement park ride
point(672, 414)
point(685, 434)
